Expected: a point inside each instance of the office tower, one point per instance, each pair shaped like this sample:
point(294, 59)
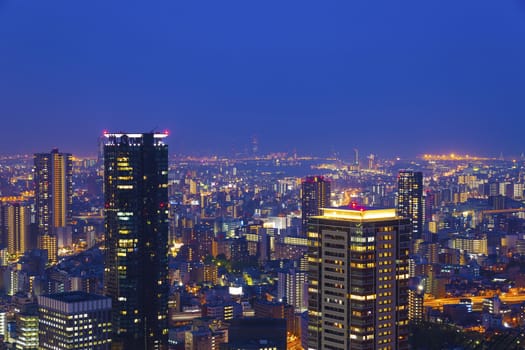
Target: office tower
point(15, 227)
point(315, 194)
point(410, 200)
point(53, 195)
point(136, 214)
point(74, 320)
point(358, 279)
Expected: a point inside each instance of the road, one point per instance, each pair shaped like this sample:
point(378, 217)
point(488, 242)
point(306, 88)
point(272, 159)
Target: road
point(507, 298)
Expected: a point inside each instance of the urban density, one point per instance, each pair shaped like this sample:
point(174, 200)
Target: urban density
point(136, 248)
point(262, 175)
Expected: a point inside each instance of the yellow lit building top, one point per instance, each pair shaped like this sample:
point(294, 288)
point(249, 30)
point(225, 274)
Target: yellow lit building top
point(354, 213)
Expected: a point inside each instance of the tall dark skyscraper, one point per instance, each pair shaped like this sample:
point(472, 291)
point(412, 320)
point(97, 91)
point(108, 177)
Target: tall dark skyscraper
point(136, 267)
point(358, 279)
point(410, 200)
point(53, 198)
point(315, 194)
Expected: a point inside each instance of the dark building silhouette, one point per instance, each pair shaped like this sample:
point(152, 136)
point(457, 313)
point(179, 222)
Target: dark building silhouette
point(136, 214)
point(358, 279)
point(315, 194)
point(275, 309)
point(410, 200)
point(252, 333)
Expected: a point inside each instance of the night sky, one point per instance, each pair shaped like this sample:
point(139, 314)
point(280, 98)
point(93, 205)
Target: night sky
point(388, 77)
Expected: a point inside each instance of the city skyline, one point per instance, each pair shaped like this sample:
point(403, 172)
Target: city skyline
point(447, 74)
point(181, 175)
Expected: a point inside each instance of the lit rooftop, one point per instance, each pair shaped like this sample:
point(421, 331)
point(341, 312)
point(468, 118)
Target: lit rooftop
point(355, 213)
point(156, 135)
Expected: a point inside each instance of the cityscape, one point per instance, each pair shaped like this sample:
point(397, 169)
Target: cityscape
point(137, 249)
point(249, 175)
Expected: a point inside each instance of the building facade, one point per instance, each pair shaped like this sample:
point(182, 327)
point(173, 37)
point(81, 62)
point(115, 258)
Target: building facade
point(74, 320)
point(53, 178)
point(15, 227)
point(136, 220)
point(292, 286)
point(410, 200)
point(53, 190)
point(358, 279)
point(315, 194)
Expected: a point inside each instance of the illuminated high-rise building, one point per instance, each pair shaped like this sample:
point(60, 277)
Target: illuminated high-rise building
point(15, 227)
point(292, 286)
point(136, 220)
point(53, 195)
point(416, 296)
point(49, 243)
point(410, 200)
point(27, 331)
point(74, 320)
point(53, 190)
point(315, 194)
point(358, 279)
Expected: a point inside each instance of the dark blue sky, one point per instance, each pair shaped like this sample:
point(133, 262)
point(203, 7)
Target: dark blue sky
point(389, 77)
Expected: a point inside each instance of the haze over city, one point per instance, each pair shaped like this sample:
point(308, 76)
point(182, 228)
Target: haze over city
point(317, 77)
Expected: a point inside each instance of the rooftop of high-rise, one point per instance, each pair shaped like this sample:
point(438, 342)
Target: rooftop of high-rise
point(75, 296)
point(355, 212)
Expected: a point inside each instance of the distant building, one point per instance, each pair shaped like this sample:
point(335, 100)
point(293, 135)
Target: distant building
point(74, 320)
point(205, 334)
point(416, 296)
point(15, 227)
point(358, 279)
point(27, 331)
point(226, 310)
point(315, 194)
point(53, 198)
point(410, 200)
point(50, 244)
point(471, 245)
point(292, 286)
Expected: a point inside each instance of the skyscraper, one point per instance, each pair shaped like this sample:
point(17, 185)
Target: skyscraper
point(410, 200)
point(358, 279)
point(15, 227)
point(136, 219)
point(53, 196)
point(315, 194)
